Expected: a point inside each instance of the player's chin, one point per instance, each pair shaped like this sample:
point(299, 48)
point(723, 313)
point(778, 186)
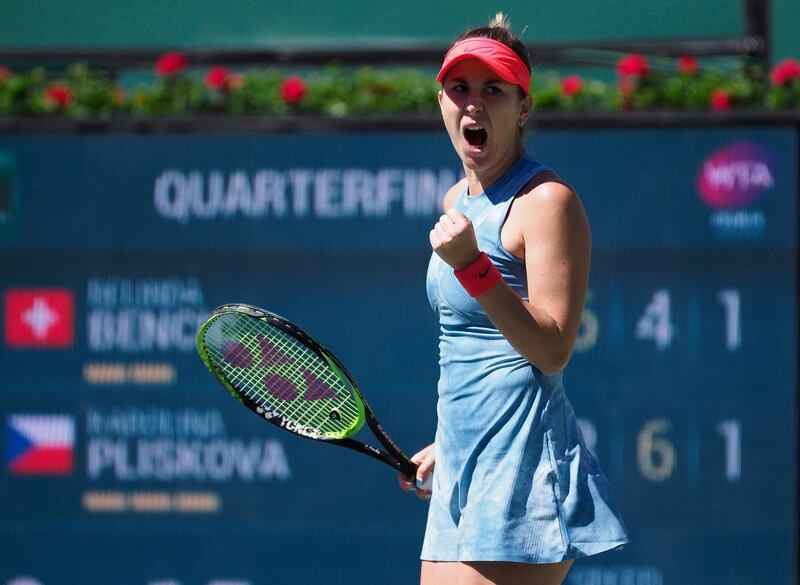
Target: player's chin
point(477, 157)
point(475, 161)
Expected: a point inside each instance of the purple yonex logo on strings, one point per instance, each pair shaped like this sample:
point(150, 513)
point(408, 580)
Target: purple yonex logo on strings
point(282, 382)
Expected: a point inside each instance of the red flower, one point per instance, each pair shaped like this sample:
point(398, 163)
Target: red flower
point(4, 73)
point(170, 64)
point(720, 100)
point(217, 78)
point(58, 94)
point(632, 65)
point(572, 85)
point(688, 65)
point(786, 71)
point(293, 89)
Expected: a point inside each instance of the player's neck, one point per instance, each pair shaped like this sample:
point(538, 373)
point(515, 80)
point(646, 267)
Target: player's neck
point(480, 179)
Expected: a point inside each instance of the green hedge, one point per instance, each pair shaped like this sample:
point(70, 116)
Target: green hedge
point(642, 84)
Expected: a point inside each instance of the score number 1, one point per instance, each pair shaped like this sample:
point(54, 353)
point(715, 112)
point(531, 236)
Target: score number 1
point(731, 300)
point(656, 322)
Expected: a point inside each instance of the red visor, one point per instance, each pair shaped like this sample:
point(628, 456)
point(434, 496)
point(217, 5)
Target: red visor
point(497, 57)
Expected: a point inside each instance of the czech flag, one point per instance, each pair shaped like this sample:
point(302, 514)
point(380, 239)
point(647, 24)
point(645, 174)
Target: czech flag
point(39, 444)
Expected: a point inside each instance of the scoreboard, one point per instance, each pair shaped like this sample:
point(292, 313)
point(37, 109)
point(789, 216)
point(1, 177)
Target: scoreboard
point(125, 463)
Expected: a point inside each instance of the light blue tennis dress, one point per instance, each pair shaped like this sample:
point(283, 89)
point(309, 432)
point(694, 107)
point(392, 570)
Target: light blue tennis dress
point(514, 480)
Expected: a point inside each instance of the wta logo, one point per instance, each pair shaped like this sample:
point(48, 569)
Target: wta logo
point(736, 176)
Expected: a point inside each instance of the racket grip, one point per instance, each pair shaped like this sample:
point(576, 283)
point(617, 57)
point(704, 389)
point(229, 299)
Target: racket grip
point(407, 467)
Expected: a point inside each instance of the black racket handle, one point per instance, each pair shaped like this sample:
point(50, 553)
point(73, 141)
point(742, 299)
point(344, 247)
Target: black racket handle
point(409, 468)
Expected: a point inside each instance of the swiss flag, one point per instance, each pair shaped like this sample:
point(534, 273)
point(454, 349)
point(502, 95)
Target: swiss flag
point(39, 317)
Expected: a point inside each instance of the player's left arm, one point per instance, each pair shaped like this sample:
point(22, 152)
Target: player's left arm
point(557, 241)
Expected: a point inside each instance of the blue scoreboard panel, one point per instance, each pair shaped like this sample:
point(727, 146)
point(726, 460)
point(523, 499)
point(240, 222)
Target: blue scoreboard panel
point(124, 463)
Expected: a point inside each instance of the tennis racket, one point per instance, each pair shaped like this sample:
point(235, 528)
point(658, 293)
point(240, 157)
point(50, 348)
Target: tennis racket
point(288, 378)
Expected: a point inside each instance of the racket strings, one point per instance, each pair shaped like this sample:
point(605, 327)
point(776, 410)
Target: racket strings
point(319, 383)
point(283, 386)
point(279, 373)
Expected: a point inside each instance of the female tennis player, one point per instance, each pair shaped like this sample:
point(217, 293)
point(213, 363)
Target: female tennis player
point(516, 495)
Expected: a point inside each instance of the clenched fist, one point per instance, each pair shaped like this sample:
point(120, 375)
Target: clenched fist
point(453, 239)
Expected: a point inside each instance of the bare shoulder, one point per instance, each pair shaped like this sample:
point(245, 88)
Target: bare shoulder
point(550, 195)
point(550, 204)
point(453, 193)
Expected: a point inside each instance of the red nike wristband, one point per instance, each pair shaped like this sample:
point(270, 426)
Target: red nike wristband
point(479, 276)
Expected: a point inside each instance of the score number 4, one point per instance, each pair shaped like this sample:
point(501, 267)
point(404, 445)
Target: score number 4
point(656, 322)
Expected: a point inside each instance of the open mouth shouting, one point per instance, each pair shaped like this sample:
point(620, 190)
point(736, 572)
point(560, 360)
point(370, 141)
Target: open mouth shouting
point(476, 136)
